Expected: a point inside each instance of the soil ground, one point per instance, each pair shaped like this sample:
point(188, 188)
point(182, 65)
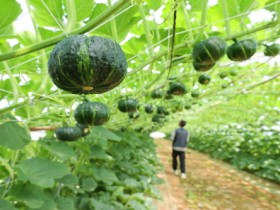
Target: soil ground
point(212, 185)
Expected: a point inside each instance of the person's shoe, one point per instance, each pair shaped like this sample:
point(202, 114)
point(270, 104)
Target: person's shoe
point(176, 172)
point(183, 176)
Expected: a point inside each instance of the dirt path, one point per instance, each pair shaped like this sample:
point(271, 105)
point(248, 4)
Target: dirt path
point(212, 185)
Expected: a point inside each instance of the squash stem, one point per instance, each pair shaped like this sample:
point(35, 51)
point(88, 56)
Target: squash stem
point(113, 25)
point(226, 16)
point(202, 20)
point(52, 41)
point(147, 29)
point(187, 18)
point(71, 16)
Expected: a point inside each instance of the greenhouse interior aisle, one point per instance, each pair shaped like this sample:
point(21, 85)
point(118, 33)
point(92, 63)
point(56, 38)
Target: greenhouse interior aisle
point(212, 185)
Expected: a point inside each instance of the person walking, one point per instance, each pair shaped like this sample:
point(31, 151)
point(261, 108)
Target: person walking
point(180, 138)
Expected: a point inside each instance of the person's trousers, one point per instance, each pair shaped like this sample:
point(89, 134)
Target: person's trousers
point(181, 155)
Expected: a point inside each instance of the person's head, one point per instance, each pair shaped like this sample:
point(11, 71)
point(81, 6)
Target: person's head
point(182, 123)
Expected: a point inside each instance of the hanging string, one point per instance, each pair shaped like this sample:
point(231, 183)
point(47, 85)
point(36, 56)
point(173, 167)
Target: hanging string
point(173, 37)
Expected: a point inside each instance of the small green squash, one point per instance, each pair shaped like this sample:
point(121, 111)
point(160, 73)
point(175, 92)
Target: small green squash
point(157, 94)
point(242, 50)
point(204, 79)
point(128, 105)
point(68, 133)
point(195, 93)
point(133, 115)
point(188, 105)
point(223, 75)
point(149, 108)
point(87, 65)
point(207, 52)
point(177, 88)
point(161, 110)
point(272, 50)
point(157, 118)
point(92, 113)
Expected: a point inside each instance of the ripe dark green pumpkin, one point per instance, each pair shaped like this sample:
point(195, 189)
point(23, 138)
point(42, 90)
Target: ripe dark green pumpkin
point(92, 113)
point(83, 65)
point(242, 50)
point(177, 88)
point(207, 52)
point(204, 79)
point(272, 50)
point(128, 105)
point(68, 133)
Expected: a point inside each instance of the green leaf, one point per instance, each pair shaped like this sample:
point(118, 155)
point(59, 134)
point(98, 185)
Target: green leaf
point(96, 204)
point(69, 180)
point(13, 136)
point(60, 150)
point(102, 133)
point(33, 196)
point(65, 204)
point(48, 13)
point(89, 184)
point(98, 152)
point(41, 172)
point(84, 8)
point(105, 175)
point(9, 11)
point(6, 205)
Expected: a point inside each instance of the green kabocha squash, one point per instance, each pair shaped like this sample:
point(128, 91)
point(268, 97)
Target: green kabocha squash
point(157, 94)
point(272, 50)
point(177, 88)
point(207, 52)
point(223, 75)
point(83, 65)
point(128, 105)
point(161, 110)
point(195, 93)
point(68, 133)
point(149, 108)
point(188, 105)
point(92, 113)
point(242, 50)
point(204, 79)
point(203, 67)
point(84, 128)
point(133, 115)
point(157, 118)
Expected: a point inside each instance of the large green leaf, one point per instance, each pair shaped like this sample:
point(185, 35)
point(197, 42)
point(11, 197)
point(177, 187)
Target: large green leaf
point(102, 133)
point(89, 184)
point(48, 13)
point(13, 136)
point(69, 180)
point(84, 8)
point(41, 172)
point(105, 175)
point(98, 152)
point(9, 11)
point(32, 195)
point(65, 204)
point(6, 205)
point(60, 150)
